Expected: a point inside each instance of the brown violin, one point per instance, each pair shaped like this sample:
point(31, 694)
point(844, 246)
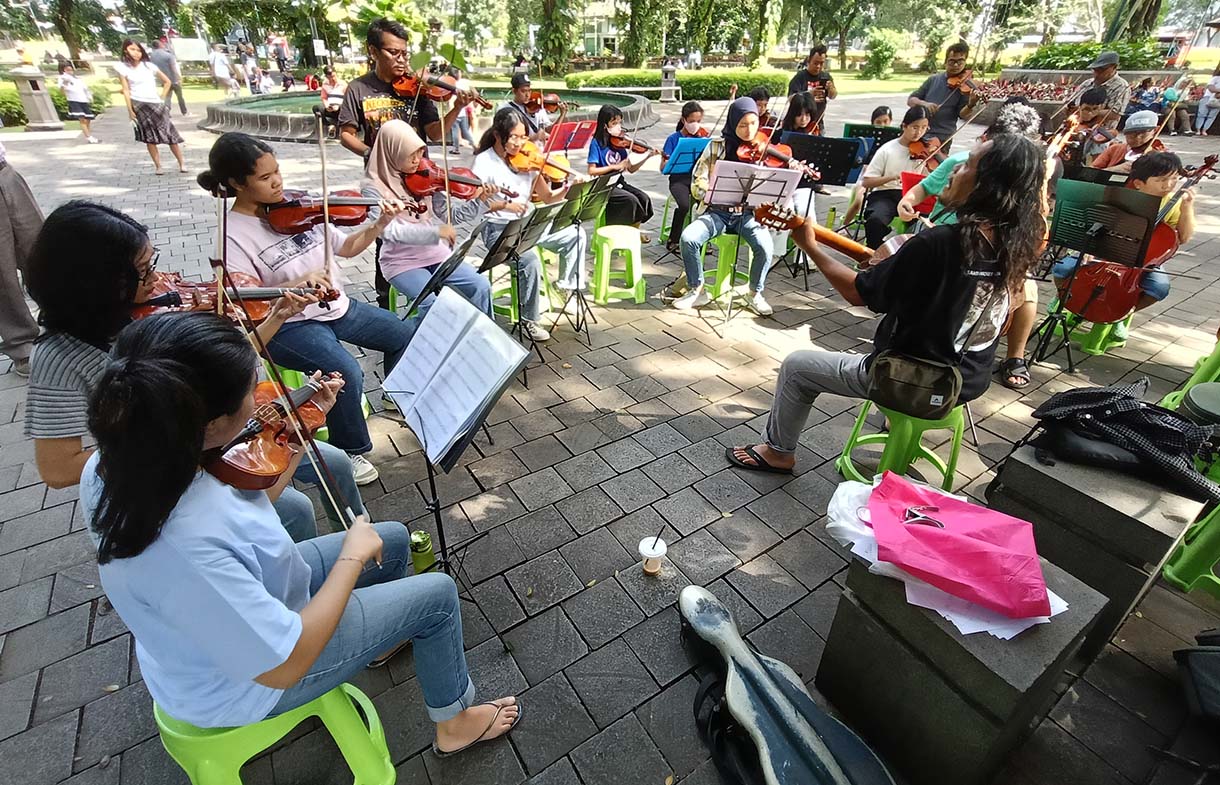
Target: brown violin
point(928, 151)
point(963, 83)
point(171, 294)
point(625, 142)
point(552, 166)
point(548, 101)
point(429, 179)
point(436, 88)
point(776, 156)
point(300, 212)
point(259, 455)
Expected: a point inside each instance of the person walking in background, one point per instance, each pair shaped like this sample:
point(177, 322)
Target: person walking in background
point(20, 220)
point(167, 64)
point(222, 71)
point(465, 119)
point(1209, 104)
point(146, 106)
point(80, 99)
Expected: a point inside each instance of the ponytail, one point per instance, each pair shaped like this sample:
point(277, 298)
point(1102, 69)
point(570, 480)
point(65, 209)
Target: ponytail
point(502, 125)
point(168, 377)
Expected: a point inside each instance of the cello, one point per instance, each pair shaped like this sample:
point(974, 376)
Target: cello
point(1103, 292)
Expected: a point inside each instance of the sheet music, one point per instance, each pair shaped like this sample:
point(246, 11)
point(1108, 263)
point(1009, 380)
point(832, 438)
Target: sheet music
point(732, 181)
point(433, 340)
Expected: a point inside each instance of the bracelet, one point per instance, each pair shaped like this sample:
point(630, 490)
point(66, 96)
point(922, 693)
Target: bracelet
point(350, 558)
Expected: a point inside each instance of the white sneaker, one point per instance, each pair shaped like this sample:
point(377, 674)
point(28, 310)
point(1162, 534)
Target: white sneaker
point(692, 299)
point(761, 306)
point(363, 471)
point(94, 140)
point(535, 331)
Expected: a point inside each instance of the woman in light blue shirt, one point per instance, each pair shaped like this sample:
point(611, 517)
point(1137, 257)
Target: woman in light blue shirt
point(233, 621)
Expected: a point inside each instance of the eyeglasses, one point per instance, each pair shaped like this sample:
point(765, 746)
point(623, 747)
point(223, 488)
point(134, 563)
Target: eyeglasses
point(955, 60)
point(152, 266)
point(395, 54)
point(518, 138)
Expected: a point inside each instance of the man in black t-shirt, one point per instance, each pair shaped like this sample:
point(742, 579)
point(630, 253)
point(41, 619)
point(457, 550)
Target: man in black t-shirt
point(370, 101)
point(814, 79)
point(945, 287)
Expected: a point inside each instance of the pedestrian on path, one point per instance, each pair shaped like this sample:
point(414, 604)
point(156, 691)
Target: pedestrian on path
point(80, 99)
point(20, 220)
point(167, 63)
point(146, 106)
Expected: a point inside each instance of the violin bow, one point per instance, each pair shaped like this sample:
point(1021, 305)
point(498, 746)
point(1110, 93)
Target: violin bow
point(724, 109)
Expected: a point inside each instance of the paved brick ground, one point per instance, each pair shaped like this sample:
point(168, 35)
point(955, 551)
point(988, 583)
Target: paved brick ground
point(609, 443)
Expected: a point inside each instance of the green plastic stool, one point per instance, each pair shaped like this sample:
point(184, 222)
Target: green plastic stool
point(663, 237)
point(1192, 565)
point(726, 253)
point(903, 445)
point(1101, 338)
point(507, 310)
point(294, 379)
point(1207, 369)
point(623, 240)
point(214, 756)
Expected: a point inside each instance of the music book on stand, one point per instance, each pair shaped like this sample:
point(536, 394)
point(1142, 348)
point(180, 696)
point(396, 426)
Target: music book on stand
point(453, 371)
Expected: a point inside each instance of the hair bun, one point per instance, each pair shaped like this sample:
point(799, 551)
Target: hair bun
point(211, 183)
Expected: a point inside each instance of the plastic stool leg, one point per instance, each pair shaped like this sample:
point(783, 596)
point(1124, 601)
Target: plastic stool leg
point(363, 747)
point(843, 464)
point(1207, 370)
point(1193, 563)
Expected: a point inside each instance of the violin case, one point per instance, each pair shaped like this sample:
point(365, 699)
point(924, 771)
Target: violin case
point(797, 743)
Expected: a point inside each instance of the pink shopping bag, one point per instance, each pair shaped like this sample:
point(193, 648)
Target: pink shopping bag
point(969, 551)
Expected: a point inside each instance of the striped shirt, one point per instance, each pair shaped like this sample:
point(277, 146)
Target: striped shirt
point(63, 370)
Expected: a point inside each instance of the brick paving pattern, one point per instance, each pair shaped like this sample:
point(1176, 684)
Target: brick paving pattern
point(608, 444)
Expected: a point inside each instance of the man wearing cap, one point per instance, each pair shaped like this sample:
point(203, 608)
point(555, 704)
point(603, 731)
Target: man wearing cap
point(536, 123)
point(1138, 132)
point(1118, 91)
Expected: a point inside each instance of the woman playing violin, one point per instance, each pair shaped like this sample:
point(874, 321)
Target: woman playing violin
point(505, 139)
point(883, 176)
point(414, 245)
point(246, 168)
point(689, 127)
point(233, 621)
point(798, 119)
point(70, 355)
point(741, 128)
point(628, 205)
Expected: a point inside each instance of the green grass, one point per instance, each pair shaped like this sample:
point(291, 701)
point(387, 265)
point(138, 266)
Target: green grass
point(850, 84)
point(69, 125)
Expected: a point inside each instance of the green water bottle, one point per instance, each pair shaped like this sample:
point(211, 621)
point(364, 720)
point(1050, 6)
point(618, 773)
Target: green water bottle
point(421, 551)
point(831, 215)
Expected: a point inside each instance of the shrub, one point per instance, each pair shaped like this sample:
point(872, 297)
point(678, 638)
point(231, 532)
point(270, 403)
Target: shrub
point(883, 46)
point(708, 84)
point(1133, 55)
point(12, 113)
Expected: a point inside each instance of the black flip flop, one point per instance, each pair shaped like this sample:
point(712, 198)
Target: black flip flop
point(438, 752)
point(759, 465)
point(1014, 366)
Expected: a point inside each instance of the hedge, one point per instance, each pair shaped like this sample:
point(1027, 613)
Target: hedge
point(12, 113)
point(1132, 55)
point(708, 84)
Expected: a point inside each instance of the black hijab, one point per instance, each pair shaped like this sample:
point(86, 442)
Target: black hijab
point(737, 110)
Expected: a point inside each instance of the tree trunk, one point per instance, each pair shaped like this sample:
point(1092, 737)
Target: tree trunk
point(758, 47)
point(61, 16)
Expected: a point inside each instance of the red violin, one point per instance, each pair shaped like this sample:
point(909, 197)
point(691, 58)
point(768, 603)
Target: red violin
point(927, 150)
point(259, 455)
point(171, 294)
point(436, 88)
point(300, 212)
point(761, 151)
point(429, 179)
point(549, 101)
point(1104, 291)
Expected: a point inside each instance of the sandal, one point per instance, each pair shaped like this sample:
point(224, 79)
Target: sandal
point(438, 752)
point(1014, 368)
point(759, 465)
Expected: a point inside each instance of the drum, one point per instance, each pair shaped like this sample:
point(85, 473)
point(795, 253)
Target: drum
point(1201, 404)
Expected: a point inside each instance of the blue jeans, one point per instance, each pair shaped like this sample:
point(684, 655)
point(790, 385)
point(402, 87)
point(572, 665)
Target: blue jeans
point(313, 345)
point(529, 275)
point(1154, 283)
point(465, 279)
point(296, 509)
point(714, 223)
point(1204, 117)
point(386, 608)
point(462, 130)
point(569, 243)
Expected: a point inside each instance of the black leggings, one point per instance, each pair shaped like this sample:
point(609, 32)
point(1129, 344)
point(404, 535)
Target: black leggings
point(882, 208)
point(679, 189)
point(627, 206)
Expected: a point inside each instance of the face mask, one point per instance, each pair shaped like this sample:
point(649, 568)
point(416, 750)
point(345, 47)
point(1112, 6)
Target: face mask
point(614, 130)
point(691, 128)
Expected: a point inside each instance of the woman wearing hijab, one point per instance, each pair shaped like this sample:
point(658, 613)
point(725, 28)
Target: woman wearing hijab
point(741, 127)
point(414, 245)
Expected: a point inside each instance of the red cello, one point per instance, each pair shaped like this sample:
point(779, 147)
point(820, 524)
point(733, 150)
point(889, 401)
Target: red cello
point(1105, 291)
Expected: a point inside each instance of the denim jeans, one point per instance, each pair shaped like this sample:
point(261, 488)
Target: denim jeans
point(386, 608)
point(529, 275)
point(462, 130)
point(803, 376)
point(802, 205)
point(569, 244)
point(314, 345)
point(296, 509)
point(465, 280)
point(714, 223)
point(1204, 117)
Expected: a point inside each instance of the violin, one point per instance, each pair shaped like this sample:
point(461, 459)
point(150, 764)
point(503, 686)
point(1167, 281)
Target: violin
point(552, 166)
point(171, 294)
point(625, 142)
point(300, 212)
point(260, 454)
point(777, 156)
point(550, 102)
point(963, 83)
point(927, 151)
point(429, 179)
point(1104, 291)
point(436, 88)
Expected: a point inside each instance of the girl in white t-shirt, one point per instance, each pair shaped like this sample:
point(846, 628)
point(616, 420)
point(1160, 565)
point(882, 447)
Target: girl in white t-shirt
point(1209, 104)
point(246, 168)
point(883, 176)
point(80, 99)
point(146, 103)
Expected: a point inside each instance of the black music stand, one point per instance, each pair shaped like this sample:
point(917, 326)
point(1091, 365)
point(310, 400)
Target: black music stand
point(878, 134)
point(738, 187)
point(1095, 220)
point(585, 201)
point(518, 237)
point(834, 159)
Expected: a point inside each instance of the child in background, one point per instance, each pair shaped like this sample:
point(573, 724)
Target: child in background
point(679, 184)
point(881, 118)
point(628, 205)
point(80, 99)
